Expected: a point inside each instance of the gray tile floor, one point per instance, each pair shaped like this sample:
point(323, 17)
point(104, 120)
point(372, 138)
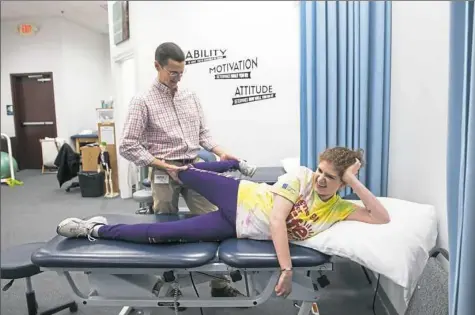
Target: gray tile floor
point(31, 212)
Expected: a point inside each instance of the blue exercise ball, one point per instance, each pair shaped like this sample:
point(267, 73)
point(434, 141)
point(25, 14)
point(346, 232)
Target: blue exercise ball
point(5, 165)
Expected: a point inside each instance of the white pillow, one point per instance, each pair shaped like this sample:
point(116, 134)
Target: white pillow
point(398, 250)
point(291, 164)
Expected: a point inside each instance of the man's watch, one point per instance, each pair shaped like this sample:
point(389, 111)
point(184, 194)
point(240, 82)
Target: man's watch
point(286, 269)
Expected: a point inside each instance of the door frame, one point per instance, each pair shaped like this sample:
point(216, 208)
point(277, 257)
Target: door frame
point(17, 109)
point(122, 164)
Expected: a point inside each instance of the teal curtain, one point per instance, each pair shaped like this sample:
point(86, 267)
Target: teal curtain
point(345, 83)
point(461, 160)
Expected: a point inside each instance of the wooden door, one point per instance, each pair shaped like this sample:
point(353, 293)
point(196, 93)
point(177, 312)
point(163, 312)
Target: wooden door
point(35, 115)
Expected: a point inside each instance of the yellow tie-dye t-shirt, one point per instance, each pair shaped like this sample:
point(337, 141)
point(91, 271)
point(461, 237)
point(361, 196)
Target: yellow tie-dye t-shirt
point(308, 217)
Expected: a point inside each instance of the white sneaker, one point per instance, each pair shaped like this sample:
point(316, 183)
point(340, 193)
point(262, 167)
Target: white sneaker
point(74, 227)
point(247, 169)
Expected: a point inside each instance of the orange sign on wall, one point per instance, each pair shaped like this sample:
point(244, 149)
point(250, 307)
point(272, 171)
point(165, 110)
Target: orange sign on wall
point(27, 29)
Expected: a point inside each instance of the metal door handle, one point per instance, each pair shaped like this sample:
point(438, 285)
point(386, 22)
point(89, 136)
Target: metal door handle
point(37, 123)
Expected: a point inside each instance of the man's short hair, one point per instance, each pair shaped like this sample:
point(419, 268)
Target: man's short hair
point(167, 51)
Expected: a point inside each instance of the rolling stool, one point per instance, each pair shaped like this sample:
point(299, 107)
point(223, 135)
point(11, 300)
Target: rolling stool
point(16, 264)
point(144, 198)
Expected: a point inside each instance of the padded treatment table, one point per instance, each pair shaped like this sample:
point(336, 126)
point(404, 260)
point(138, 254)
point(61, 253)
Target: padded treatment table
point(265, 174)
point(126, 274)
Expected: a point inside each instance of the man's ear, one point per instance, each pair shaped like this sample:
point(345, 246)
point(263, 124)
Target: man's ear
point(157, 65)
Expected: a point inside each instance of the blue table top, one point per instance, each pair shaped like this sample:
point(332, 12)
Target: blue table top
point(264, 174)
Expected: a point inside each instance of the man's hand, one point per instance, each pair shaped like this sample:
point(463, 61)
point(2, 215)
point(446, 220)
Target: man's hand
point(226, 156)
point(223, 156)
point(284, 286)
point(173, 170)
point(351, 172)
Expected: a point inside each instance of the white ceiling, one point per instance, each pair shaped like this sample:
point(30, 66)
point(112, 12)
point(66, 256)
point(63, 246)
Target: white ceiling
point(90, 14)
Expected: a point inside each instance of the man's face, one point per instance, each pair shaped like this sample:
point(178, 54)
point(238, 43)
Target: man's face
point(170, 74)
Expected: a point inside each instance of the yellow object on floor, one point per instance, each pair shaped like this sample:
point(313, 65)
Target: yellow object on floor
point(13, 182)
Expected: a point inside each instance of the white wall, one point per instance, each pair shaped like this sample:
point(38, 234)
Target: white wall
point(124, 84)
point(263, 132)
point(419, 106)
point(86, 68)
point(80, 62)
point(32, 54)
point(127, 90)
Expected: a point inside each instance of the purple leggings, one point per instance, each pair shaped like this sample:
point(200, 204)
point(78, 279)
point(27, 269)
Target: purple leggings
point(204, 178)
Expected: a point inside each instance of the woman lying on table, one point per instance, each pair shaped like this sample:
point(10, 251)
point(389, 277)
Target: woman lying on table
point(297, 207)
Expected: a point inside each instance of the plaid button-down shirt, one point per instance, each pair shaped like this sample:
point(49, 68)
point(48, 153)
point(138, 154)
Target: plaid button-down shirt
point(164, 125)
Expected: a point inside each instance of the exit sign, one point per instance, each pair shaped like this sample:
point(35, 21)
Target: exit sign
point(27, 29)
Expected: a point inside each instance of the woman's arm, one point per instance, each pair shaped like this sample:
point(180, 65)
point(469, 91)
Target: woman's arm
point(278, 228)
point(374, 212)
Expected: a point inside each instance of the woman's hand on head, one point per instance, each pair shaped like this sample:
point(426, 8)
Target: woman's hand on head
point(351, 171)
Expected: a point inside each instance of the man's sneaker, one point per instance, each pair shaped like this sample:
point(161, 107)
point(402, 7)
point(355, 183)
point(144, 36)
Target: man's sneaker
point(74, 227)
point(247, 169)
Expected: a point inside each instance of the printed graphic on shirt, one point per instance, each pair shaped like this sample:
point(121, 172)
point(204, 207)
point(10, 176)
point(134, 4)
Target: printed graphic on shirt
point(297, 228)
point(308, 217)
point(288, 186)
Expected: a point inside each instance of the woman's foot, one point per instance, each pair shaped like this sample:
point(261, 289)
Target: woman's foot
point(247, 169)
point(74, 227)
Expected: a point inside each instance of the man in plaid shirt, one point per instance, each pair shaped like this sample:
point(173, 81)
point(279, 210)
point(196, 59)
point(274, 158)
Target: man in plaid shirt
point(165, 128)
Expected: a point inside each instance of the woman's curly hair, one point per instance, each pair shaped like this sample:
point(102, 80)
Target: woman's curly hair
point(341, 158)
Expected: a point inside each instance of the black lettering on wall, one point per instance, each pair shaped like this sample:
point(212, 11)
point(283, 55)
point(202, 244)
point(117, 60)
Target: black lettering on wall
point(240, 69)
point(232, 70)
point(203, 55)
point(252, 93)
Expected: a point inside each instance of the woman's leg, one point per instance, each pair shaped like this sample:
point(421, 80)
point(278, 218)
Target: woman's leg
point(227, 165)
point(206, 227)
point(212, 226)
point(217, 166)
point(219, 189)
